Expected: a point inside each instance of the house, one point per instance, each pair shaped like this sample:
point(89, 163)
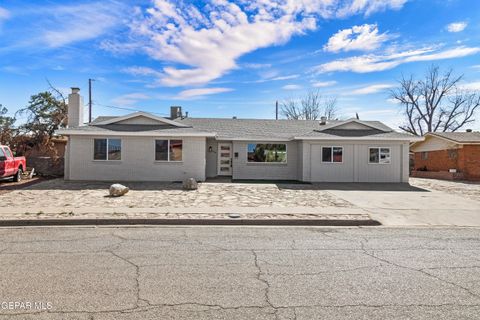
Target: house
point(448, 155)
point(144, 147)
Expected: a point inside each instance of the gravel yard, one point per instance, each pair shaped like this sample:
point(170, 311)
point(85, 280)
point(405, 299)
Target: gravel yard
point(466, 189)
point(153, 195)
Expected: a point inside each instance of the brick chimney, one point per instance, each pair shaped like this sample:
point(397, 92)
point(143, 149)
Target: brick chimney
point(75, 108)
point(175, 112)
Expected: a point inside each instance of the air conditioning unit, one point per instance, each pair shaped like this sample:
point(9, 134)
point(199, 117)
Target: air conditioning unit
point(452, 170)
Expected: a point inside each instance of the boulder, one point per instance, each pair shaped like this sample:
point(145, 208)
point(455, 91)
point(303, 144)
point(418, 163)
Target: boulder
point(118, 190)
point(190, 184)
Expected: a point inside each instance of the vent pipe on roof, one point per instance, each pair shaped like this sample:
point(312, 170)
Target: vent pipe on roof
point(468, 130)
point(323, 121)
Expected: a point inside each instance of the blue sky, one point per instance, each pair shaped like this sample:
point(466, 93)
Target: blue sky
point(233, 58)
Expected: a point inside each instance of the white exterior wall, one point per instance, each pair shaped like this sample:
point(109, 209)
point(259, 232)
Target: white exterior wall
point(355, 166)
point(212, 158)
point(268, 171)
point(138, 161)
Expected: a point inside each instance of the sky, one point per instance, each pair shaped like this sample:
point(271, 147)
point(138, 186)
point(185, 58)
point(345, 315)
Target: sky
point(223, 58)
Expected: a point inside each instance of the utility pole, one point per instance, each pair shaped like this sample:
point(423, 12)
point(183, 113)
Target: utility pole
point(276, 110)
point(90, 100)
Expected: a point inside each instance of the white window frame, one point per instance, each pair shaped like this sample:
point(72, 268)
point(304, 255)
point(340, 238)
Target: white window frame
point(268, 163)
point(380, 155)
point(331, 154)
point(168, 149)
point(108, 140)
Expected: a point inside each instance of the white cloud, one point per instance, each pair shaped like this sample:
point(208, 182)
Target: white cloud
point(372, 63)
point(374, 88)
point(363, 38)
point(257, 65)
point(456, 26)
point(200, 92)
point(71, 23)
point(369, 7)
point(130, 99)
point(291, 87)
point(207, 44)
point(471, 86)
point(323, 84)
point(4, 14)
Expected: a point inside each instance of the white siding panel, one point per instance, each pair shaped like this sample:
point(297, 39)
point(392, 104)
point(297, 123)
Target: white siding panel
point(375, 172)
point(265, 171)
point(355, 166)
point(138, 161)
point(332, 172)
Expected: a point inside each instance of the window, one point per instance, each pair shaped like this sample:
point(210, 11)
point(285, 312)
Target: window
point(168, 150)
point(257, 152)
point(452, 154)
point(332, 154)
point(8, 153)
point(379, 155)
point(425, 155)
point(2, 153)
point(107, 149)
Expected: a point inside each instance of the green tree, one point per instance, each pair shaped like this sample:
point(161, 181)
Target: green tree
point(45, 113)
point(7, 130)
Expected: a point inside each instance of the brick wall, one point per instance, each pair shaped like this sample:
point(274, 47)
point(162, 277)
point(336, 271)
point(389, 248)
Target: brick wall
point(437, 160)
point(470, 161)
point(466, 161)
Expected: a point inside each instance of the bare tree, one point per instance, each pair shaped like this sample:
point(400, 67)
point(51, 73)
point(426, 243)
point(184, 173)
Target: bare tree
point(435, 103)
point(310, 107)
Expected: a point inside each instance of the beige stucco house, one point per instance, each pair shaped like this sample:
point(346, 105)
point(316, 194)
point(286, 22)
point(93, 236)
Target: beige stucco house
point(144, 147)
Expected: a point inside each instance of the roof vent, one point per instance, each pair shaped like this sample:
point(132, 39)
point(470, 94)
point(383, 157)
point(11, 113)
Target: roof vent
point(234, 117)
point(323, 121)
point(468, 130)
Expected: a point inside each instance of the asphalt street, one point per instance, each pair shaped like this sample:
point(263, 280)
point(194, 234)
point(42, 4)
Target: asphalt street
point(239, 273)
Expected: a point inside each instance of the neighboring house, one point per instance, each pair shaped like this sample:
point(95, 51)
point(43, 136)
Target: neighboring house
point(144, 147)
point(448, 155)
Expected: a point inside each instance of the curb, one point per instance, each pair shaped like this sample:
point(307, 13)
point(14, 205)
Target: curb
point(189, 222)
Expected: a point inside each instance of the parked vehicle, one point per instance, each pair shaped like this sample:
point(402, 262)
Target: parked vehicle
point(11, 166)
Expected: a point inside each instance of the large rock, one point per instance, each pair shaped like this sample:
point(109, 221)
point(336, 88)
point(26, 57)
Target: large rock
point(118, 190)
point(190, 184)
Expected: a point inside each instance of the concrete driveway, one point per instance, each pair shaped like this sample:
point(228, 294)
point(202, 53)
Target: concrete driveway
point(240, 273)
point(425, 202)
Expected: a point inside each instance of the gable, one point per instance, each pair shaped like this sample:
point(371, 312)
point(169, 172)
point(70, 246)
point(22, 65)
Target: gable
point(141, 120)
point(432, 143)
point(353, 126)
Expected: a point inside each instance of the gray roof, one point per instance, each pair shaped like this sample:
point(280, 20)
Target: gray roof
point(248, 129)
point(460, 137)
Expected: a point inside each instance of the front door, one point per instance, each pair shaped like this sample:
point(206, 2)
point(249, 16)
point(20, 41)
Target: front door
point(224, 159)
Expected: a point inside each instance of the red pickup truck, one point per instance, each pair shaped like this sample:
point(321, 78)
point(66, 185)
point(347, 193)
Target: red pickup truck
point(11, 166)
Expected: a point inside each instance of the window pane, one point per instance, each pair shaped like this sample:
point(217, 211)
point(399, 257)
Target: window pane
point(374, 155)
point(161, 150)
point(326, 154)
point(266, 152)
point(100, 149)
point(114, 149)
point(337, 154)
point(2, 153)
point(176, 147)
point(385, 155)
